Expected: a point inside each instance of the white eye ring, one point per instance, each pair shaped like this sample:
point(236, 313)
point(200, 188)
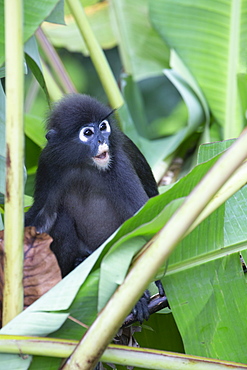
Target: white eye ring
point(86, 133)
point(105, 126)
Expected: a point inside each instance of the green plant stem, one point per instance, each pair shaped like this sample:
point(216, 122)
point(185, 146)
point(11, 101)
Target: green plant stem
point(13, 262)
point(36, 346)
point(118, 354)
point(98, 58)
point(235, 182)
point(158, 250)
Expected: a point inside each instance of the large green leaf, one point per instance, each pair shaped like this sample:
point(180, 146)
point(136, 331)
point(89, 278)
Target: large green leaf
point(49, 313)
point(124, 249)
point(209, 301)
point(70, 38)
point(57, 14)
point(34, 13)
point(35, 130)
point(210, 37)
point(209, 305)
point(145, 101)
point(156, 150)
point(34, 63)
point(142, 50)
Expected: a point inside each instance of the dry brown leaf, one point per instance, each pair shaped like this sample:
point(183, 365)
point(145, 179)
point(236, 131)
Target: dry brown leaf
point(41, 270)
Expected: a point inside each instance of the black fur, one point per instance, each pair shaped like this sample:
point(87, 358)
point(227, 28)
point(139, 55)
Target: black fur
point(77, 203)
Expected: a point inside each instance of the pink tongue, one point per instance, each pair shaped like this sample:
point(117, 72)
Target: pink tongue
point(102, 156)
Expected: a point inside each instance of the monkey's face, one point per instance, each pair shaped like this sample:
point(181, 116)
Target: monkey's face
point(96, 137)
point(80, 133)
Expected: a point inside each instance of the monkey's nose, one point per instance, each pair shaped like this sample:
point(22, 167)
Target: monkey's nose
point(101, 139)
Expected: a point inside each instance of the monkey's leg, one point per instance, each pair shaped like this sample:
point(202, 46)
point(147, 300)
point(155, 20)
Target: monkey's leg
point(66, 245)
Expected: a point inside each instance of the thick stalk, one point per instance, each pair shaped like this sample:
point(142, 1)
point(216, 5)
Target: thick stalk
point(13, 262)
point(98, 58)
point(118, 354)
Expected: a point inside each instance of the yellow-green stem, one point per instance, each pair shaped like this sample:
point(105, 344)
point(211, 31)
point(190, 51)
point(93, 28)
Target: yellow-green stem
point(118, 354)
point(231, 186)
point(98, 58)
point(13, 262)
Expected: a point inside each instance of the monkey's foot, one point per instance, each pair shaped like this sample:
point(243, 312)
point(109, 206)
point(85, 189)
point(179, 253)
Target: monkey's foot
point(156, 303)
point(141, 311)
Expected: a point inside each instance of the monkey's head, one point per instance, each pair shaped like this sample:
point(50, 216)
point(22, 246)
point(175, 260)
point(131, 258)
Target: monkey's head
point(79, 131)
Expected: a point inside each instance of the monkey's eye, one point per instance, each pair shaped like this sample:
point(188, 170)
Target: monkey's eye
point(105, 126)
point(86, 133)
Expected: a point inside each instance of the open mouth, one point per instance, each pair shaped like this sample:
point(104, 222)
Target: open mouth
point(102, 158)
point(102, 155)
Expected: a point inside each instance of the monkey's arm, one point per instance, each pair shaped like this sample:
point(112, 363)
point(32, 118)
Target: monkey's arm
point(43, 212)
point(141, 167)
point(42, 218)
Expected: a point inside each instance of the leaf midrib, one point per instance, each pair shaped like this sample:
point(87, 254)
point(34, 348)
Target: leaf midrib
point(232, 126)
point(208, 257)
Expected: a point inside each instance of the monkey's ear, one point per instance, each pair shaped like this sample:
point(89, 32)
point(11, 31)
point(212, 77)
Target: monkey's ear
point(51, 134)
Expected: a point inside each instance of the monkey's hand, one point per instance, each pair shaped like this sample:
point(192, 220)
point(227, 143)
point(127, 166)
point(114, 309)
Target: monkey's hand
point(79, 260)
point(141, 311)
point(44, 221)
point(83, 253)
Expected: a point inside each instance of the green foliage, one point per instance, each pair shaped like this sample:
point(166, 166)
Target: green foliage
point(70, 38)
point(35, 12)
point(167, 111)
point(207, 263)
point(210, 38)
point(142, 50)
